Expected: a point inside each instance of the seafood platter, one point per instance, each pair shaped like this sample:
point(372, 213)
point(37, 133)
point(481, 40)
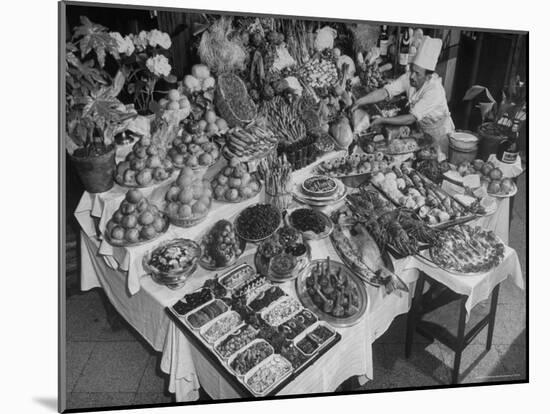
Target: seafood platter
point(260, 336)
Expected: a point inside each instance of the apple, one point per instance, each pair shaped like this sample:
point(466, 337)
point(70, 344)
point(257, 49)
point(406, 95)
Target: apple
point(146, 218)
point(141, 152)
point(486, 169)
point(193, 161)
point(167, 164)
point(160, 174)
point(129, 222)
point(127, 208)
point(117, 217)
point(495, 174)
point(144, 177)
point(478, 164)
point(187, 138)
point(172, 209)
point(153, 162)
point(132, 235)
point(158, 224)
point(185, 211)
point(148, 232)
point(117, 233)
point(184, 180)
point(185, 196)
point(494, 187)
point(142, 205)
point(172, 193)
point(129, 176)
point(506, 186)
point(152, 150)
point(199, 208)
point(134, 196)
point(122, 167)
point(178, 159)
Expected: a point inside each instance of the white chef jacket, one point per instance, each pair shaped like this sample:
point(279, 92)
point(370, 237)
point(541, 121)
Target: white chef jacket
point(428, 105)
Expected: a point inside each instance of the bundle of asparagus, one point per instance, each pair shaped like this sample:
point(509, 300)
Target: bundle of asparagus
point(276, 173)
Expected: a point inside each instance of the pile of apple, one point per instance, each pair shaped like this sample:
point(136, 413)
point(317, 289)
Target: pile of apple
point(210, 124)
point(145, 165)
point(135, 220)
point(234, 183)
point(188, 197)
point(193, 150)
point(491, 177)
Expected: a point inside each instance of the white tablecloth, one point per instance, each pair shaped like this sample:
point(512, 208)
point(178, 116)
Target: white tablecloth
point(142, 302)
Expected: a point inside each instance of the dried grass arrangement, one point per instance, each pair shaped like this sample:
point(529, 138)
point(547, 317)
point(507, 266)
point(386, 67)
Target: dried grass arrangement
point(220, 50)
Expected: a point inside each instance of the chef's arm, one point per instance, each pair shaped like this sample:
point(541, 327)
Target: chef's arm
point(396, 120)
point(374, 97)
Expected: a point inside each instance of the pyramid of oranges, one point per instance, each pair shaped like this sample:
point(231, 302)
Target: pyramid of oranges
point(135, 220)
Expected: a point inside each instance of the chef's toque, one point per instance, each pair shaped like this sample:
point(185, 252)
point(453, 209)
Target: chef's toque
point(428, 53)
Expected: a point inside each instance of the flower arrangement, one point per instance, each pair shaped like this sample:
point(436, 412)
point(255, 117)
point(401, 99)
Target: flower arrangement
point(92, 107)
point(143, 62)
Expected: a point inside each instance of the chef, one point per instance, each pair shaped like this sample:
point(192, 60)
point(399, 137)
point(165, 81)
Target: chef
point(426, 96)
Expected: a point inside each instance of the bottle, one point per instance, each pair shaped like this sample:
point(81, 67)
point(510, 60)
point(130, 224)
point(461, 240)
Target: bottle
point(508, 149)
point(404, 51)
point(383, 41)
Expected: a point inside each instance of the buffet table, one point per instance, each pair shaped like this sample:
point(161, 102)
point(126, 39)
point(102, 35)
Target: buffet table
point(142, 302)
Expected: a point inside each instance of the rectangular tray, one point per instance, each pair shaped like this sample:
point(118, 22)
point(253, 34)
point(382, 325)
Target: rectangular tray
point(193, 310)
point(308, 331)
point(204, 306)
point(214, 321)
point(234, 331)
point(258, 367)
point(241, 351)
point(245, 267)
point(279, 302)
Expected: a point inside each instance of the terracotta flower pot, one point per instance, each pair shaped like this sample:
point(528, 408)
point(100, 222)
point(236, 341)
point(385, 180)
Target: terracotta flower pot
point(96, 172)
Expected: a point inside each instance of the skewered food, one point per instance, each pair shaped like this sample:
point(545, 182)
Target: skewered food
point(223, 325)
point(465, 249)
point(265, 298)
point(193, 300)
point(269, 374)
point(135, 220)
point(258, 222)
point(251, 356)
point(234, 183)
point(236, 341)
point(206, 313)
point(332, 291)
point(221, 246)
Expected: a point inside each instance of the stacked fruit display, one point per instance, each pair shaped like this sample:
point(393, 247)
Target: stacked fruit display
point(193, 150)
point(135, 220)
point(210, 124)
point(176, 102)
point(221, 246)
point(491, 177)
point(234, 183)
point(188, 199)
point(145, 165)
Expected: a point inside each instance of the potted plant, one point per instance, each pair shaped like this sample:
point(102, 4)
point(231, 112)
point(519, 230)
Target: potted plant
point(93, 111)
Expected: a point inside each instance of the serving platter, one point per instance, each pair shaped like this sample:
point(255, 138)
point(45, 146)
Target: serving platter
point(307, 301)
point(240, 381)
point(238, 231)
point(122, 243)
point(309, 234)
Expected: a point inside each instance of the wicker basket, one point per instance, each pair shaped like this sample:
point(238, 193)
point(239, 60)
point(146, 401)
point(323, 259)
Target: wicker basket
point(222, 105)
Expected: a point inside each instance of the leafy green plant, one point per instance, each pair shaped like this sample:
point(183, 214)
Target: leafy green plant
point(93, 109)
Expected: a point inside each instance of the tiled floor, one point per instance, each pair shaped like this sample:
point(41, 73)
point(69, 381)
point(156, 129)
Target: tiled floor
point(109, 367)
